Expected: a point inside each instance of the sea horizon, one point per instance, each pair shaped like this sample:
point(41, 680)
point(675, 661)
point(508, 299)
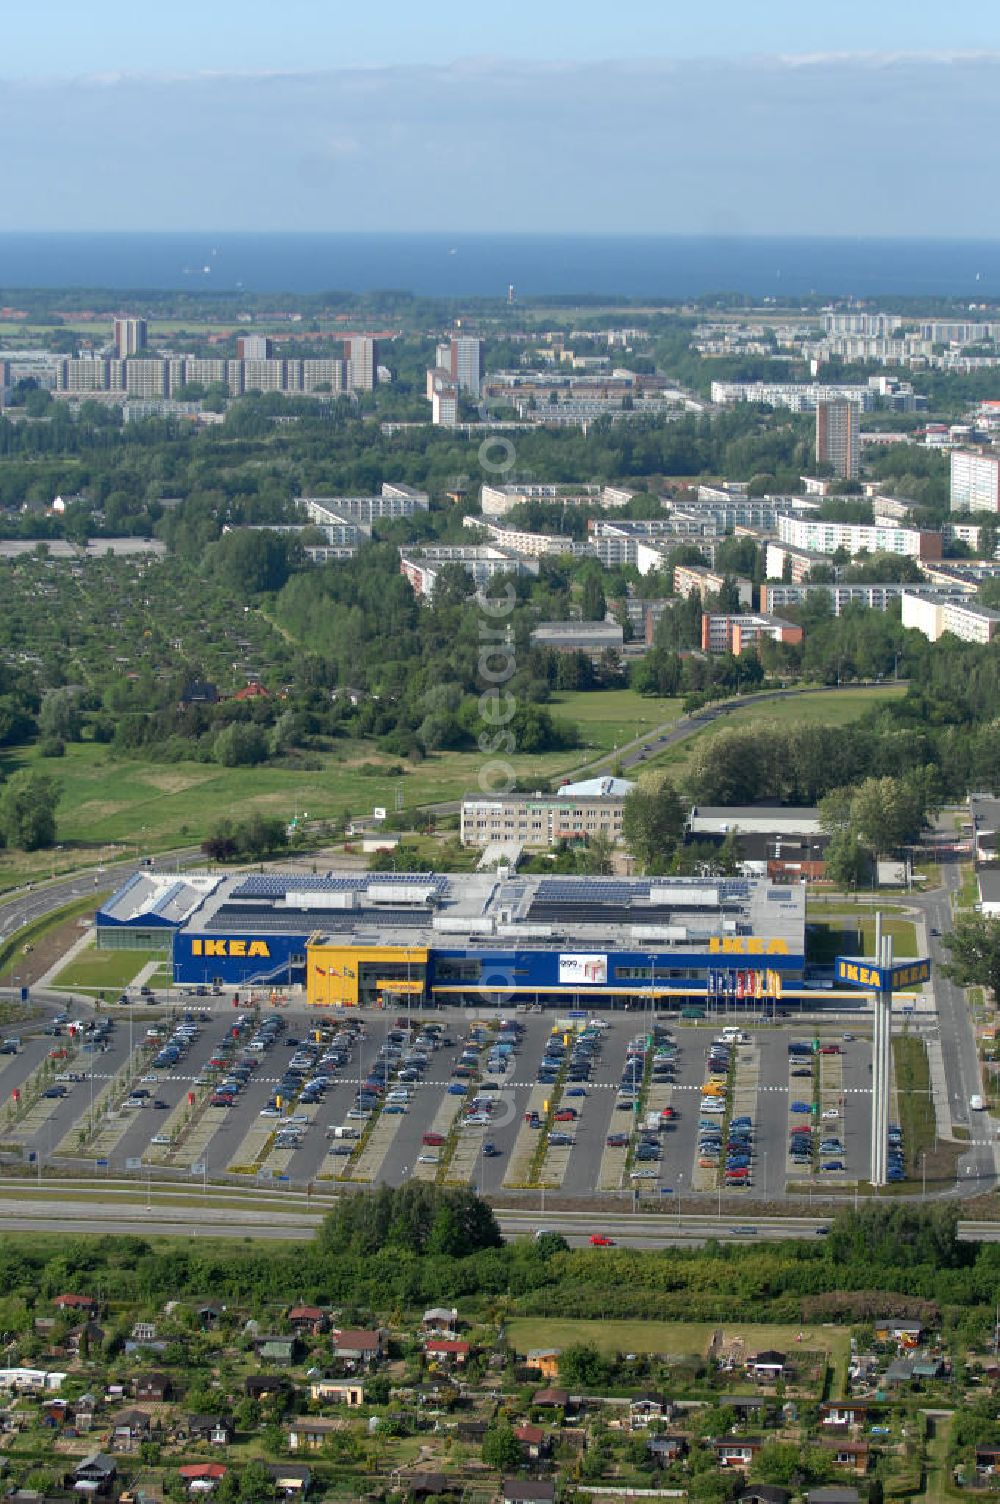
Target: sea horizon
point(485, 265)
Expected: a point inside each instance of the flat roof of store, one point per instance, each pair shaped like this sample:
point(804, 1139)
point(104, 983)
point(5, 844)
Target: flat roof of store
point(484, 910)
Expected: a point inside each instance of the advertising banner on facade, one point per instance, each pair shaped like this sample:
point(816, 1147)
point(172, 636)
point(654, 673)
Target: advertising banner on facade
point(583, 971)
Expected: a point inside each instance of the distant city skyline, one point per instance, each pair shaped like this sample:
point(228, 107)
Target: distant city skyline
point(730, 120)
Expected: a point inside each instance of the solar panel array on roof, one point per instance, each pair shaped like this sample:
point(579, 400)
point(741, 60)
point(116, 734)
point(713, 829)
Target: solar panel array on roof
point(591, 889)
point(268, 885)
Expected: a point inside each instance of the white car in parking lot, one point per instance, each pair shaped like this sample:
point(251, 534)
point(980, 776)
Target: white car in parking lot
point(831, 1113)
point(428, 1159)
point(644, 1175)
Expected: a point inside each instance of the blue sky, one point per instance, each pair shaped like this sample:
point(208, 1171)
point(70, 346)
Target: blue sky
point(67, 37)
point(878, 118)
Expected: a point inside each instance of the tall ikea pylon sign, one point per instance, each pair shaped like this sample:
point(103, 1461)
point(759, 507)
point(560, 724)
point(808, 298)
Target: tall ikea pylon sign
point(882, 978)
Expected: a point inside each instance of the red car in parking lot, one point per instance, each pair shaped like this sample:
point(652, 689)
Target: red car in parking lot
point(564, 1115)
point(829, 1049)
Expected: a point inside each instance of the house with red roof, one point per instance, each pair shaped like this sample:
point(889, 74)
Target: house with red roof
point(85, 1303)
point(202, 1477)
point(310, 1319)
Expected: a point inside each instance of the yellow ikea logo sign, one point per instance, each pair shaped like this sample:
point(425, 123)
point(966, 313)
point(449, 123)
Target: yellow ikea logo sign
point(230, 948)
point(864, 976)
point(746, 945)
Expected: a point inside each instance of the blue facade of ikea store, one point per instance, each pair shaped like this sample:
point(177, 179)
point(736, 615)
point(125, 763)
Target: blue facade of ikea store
point(262, 959)
point(569, 972)
point(279, 959)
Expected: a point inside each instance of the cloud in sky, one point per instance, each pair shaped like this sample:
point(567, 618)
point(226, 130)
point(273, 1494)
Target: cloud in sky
point(827, 144)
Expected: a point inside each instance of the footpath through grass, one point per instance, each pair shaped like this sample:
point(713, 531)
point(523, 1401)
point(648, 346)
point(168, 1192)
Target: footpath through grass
point(31, 936)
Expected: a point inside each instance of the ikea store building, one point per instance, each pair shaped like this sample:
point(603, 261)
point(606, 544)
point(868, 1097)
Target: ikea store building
point(374, 939)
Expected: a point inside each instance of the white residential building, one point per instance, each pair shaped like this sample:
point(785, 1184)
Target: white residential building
point(774, 597)
point(800, 397)
point(482, 562)
point(825, 537)
point(975, 481)
point(950, 613)
point(575, 813)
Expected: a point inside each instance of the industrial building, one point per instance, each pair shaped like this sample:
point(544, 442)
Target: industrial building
point(434, 939)
point(784, 843)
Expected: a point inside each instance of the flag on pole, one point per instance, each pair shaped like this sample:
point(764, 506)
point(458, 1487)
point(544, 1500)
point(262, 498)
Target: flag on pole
point(758, 984)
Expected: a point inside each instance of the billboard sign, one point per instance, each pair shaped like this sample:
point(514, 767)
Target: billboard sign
point(883, 978)
point(581, 970)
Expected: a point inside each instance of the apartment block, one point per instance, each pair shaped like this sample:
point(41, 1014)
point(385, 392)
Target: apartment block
point(130, 337)
point(482, 563)
point(950, 613)
point(498, 500)
point(444, 406)
point(691, 580)
point(395, 500)
point(799, 397)
point(254, 347)
point(362, 352)
point(731, 509)
point(731, 634)
point(521, 541)
point(619, 542)
point(781, 559)
point(465, 363)
point(544, 820)
point(147, 378)
point(975, 481)
point(775, 597)
point(838, 438)
point(816, 536)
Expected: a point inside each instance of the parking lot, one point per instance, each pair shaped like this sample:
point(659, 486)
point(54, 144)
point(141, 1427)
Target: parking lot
point(541, 1102)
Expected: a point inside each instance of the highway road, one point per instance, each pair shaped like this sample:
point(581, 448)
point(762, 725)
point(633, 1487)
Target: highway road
point(107, 1213)
point(978, 1169)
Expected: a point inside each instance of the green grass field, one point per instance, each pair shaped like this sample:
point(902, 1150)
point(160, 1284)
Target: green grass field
point(96, 970)
point(107, 800)
point(109, 803)
point(819, 708)
point(683, 1338)
point(828, 938)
